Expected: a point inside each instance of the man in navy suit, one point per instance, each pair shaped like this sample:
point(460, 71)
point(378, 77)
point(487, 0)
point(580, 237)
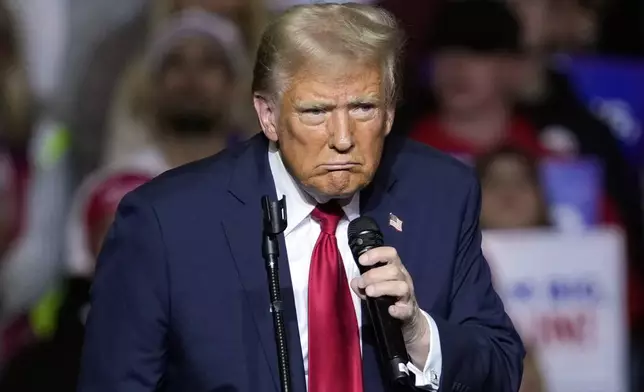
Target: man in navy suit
point(180, 300)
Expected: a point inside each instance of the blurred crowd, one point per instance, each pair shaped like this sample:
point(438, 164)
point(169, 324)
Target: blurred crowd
point(98, 97)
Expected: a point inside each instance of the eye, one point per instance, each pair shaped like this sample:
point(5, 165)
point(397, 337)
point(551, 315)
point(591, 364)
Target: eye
point(365, 107)
point(364, 110)
point(313, 116)
point(313, 112)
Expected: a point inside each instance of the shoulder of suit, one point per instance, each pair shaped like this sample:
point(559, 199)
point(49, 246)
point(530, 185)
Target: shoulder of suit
point(420, 163)
point(193, 178)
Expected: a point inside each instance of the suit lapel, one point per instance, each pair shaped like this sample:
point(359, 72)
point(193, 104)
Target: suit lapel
point(251, 179)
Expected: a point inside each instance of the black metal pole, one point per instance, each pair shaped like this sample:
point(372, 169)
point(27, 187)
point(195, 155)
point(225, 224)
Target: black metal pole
point(275, 224)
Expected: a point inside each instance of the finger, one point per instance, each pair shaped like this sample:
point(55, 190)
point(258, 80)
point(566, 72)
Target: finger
point(406, 277)
point(392, 288)
point(381, 274)
point(403, 311)
point(355, 286)
point(383, 254)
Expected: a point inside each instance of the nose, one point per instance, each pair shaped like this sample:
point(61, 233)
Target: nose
point(341, 130)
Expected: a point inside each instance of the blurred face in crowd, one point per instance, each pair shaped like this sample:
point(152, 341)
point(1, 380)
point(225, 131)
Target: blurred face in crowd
point(228, 8)
point(466, 82)
point(511, 196)
point(193, 88)
point(330, 128)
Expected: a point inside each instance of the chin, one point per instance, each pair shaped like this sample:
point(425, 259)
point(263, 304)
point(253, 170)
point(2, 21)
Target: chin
point(339, 194)
point(340, 185)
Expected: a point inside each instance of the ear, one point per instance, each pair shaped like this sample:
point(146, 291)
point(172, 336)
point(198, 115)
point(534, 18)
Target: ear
point(267, 115)
point(391, 113)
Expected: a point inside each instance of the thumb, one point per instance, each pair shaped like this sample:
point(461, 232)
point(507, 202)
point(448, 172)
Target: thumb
point(356, 288)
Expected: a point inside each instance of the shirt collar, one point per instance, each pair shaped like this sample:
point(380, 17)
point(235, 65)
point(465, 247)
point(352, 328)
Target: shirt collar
point(299, 204)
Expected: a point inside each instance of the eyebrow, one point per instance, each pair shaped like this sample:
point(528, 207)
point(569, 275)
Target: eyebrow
point(366, 99)
point(326, 105)
point(313, 105)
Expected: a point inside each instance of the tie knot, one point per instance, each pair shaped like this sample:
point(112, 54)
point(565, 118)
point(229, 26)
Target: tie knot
point(329, 215)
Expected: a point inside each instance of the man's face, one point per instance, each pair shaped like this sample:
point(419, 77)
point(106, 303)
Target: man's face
point(194, 84)
point(331, 128)
point(467, 81)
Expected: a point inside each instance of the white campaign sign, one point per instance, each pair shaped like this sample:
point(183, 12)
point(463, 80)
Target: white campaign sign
point(566, 294)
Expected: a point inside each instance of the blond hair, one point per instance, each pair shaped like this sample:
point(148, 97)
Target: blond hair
point(322, 34)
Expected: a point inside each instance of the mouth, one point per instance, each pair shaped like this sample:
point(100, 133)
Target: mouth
point(338, 166)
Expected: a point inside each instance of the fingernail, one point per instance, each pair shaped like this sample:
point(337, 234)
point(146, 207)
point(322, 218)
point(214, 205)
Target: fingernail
point(363, 259)
point(360, 283)
point(369, 290)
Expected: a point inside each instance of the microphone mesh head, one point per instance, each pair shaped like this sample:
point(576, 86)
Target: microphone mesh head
point(360, 225)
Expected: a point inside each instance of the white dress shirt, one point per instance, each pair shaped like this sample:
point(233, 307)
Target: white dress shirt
point(301, 235)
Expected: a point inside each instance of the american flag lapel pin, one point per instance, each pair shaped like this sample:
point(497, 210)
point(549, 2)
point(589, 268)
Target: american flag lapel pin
point(395, 222)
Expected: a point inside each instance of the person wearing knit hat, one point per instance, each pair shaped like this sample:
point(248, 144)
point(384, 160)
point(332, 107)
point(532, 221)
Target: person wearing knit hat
point(192, 64)
point(478, 45)
point(194, 68)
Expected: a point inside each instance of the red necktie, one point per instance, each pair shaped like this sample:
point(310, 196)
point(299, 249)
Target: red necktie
point(335, 363)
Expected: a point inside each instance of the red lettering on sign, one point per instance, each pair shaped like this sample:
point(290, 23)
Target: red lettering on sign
point(576, 328)
point(563, 328)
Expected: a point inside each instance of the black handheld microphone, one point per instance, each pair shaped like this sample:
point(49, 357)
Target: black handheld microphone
point(364, 234)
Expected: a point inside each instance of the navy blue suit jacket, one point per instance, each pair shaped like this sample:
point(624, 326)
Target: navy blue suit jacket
point(180, 300)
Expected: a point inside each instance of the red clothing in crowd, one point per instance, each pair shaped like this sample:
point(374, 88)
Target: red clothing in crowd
point(521, 134)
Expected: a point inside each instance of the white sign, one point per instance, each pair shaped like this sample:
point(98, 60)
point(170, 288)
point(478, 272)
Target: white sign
point(566, 294)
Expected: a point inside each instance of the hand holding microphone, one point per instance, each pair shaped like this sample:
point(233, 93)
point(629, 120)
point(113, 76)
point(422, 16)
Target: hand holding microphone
point(388, 277)
point(388, 288)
